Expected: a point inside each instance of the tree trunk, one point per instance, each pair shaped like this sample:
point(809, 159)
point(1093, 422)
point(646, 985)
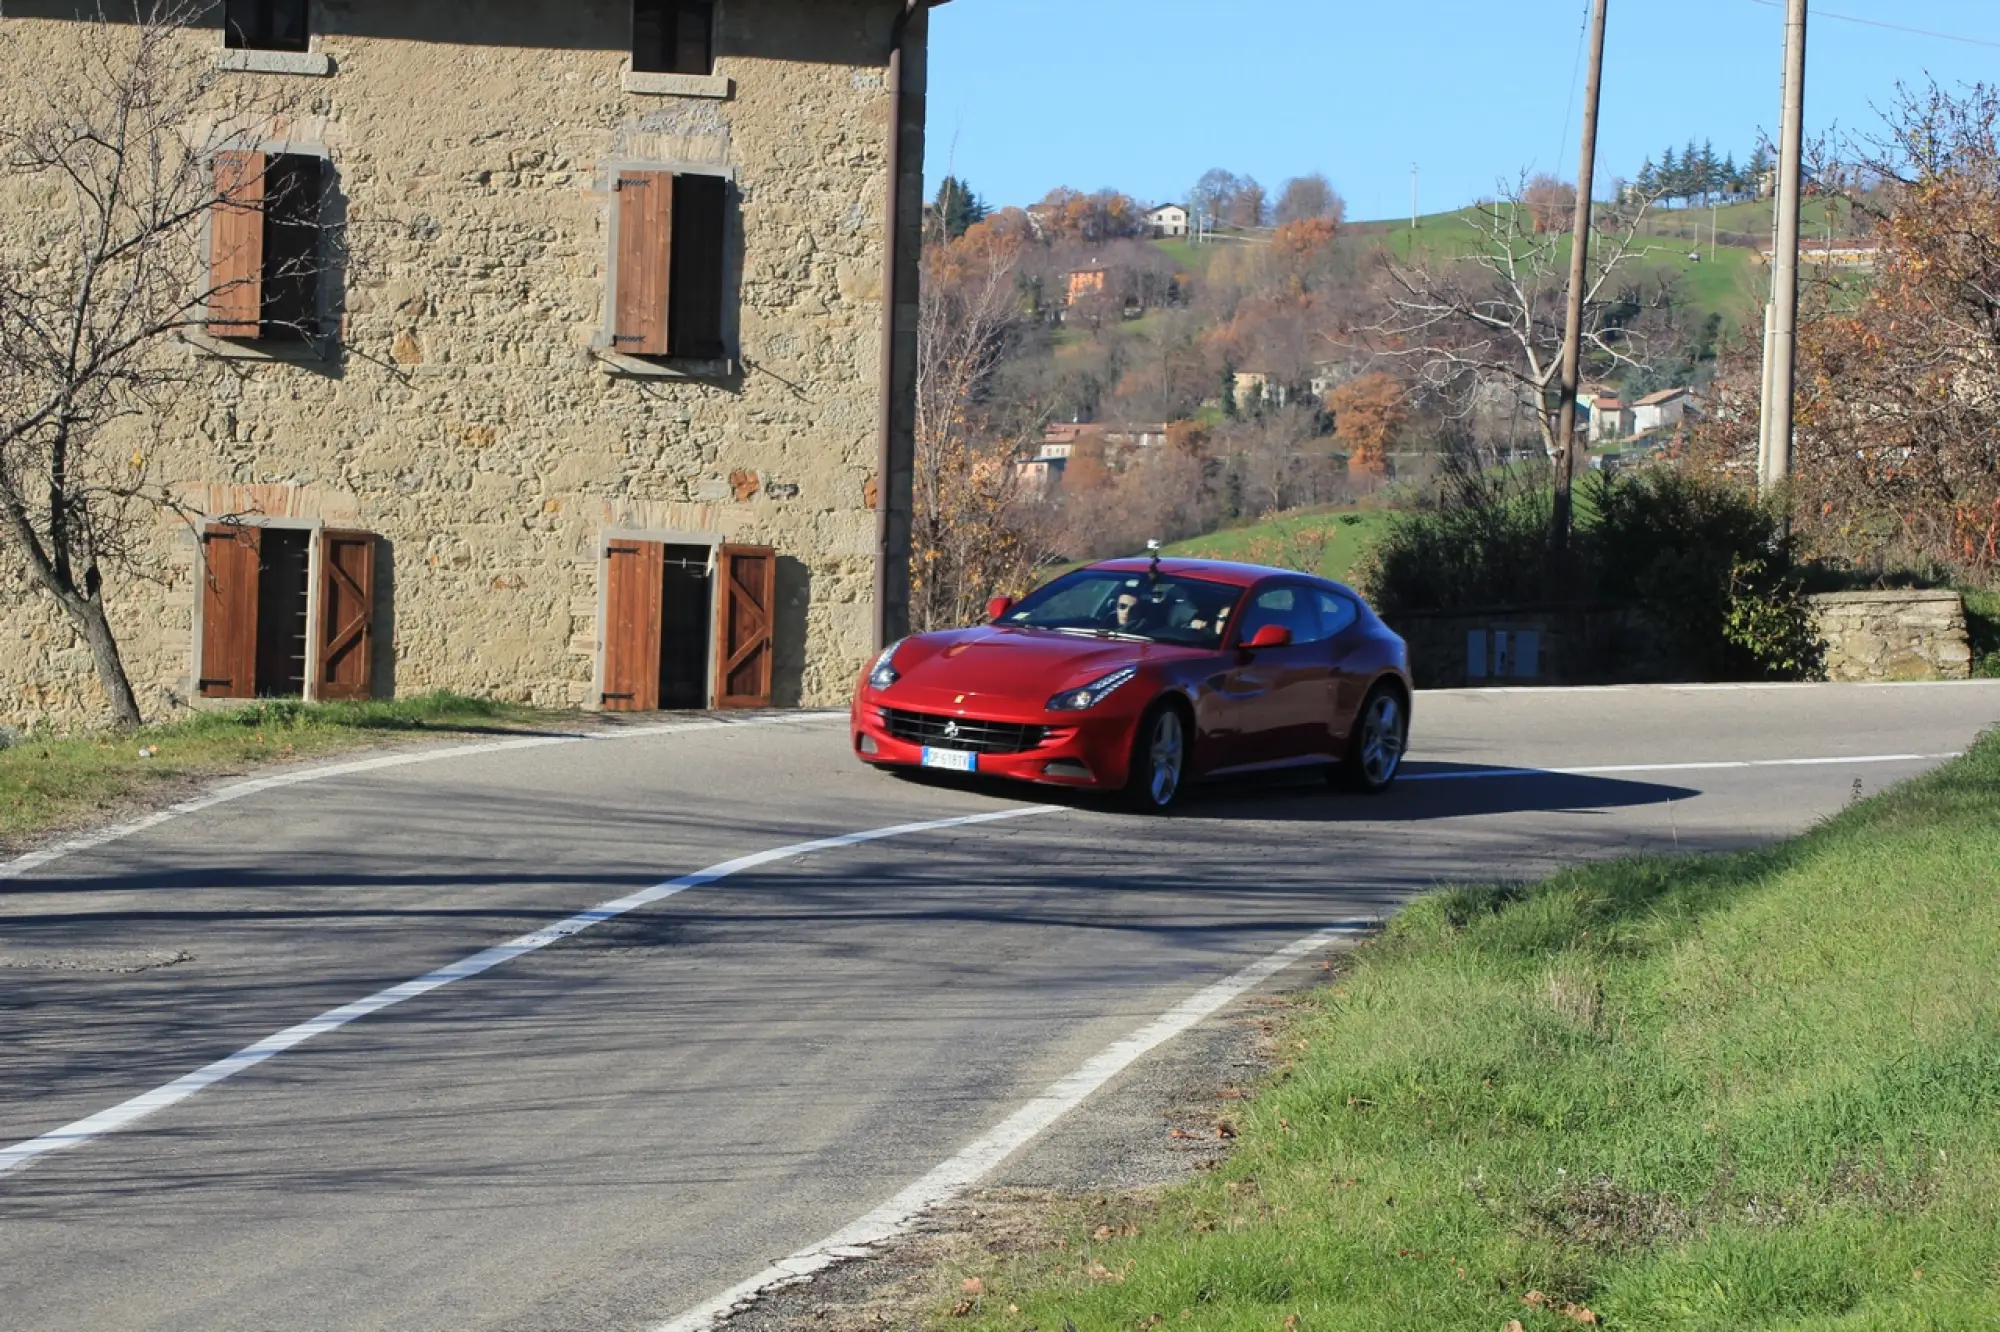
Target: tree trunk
point(91, 622)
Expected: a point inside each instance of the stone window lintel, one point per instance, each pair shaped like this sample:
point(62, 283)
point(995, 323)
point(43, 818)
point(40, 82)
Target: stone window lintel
point(719, 86)
point(309, 64)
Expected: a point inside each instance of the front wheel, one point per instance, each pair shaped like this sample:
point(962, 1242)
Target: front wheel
point(1159, 761)
point(1375, 746)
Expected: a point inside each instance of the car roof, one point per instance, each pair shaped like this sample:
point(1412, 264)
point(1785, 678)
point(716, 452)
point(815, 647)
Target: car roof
point(1216, 571)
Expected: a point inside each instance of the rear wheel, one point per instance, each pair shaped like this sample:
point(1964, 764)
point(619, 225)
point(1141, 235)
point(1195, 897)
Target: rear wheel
point(1375, 746)
point(1159, 761)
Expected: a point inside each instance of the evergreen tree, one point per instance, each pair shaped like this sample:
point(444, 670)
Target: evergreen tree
point(1690, 172)
point(1732, 177)
point(1671, 183)
point(1648, 183)
point(1711, 171)
point(1760, 166)
point(957, 208)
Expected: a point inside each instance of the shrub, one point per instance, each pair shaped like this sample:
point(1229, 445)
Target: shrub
point(1711, 567)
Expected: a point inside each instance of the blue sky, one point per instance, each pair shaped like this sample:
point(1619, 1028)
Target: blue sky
point(1145, 95)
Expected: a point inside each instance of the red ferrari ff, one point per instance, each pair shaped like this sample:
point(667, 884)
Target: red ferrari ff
point(1139, 675)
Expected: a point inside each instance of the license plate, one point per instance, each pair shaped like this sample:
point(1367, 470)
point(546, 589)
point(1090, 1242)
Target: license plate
point(951, 760)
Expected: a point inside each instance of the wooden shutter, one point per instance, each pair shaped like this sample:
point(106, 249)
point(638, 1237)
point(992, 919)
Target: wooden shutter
point(345, 658)
point(700, 227)
point(644, 262)
point(236, 246)
point(746, 603)
point(635, 588)
point(230, 557)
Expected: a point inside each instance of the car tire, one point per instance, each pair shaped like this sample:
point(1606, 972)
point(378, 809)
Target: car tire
point(1376, 744)
point(1159, 760)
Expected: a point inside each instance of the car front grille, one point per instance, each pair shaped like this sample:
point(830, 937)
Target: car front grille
point(980, 737)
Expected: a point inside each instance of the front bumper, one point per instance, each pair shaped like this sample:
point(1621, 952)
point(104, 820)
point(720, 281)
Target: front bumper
point(1090, 751)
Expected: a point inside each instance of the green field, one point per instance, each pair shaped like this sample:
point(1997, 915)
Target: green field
point(1757, 1091)
point(1348, 533)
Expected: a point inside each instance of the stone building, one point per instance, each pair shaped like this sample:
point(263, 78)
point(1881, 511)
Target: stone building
point(593, 399)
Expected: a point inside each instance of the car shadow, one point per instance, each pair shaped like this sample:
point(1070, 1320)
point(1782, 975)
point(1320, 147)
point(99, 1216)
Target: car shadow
point(1424, 791)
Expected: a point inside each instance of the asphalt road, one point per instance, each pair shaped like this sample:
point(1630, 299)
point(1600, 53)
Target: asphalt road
point(606, 1132)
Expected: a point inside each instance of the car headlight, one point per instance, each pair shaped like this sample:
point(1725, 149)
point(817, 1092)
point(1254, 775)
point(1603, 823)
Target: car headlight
point(1080, 700)
point(883, 673)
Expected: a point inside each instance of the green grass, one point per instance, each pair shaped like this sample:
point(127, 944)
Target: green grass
point(1982, 618)
point(1349, 532)
point(1752, 1091)
point(49, 783)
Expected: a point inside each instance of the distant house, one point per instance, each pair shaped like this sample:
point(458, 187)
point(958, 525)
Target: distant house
point(1610, 418)
point(1254, 386)
point(1042, 471)
point(1659, 411)
point(1166, 221)
point(1087, 282)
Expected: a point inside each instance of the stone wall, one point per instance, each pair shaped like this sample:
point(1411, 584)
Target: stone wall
point(465, 416)
point(1894, 635)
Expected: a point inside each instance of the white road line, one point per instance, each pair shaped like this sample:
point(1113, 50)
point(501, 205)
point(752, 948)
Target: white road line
point(978, 1157)
point(1480, 774)
point(130, 1112)
point(34, 860)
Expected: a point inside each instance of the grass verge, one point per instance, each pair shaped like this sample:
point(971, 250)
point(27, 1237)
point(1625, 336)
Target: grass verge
point(1982, 620)
point(1759, 1090)
point(47, 784)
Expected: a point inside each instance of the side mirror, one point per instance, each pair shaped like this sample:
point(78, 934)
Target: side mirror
point(1270, 636)
point(998, 607)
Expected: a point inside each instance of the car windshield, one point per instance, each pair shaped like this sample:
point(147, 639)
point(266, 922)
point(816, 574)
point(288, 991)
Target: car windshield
point(1142, 607)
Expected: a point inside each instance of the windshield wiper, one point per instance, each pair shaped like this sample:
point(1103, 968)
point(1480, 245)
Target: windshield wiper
point(1112, 634)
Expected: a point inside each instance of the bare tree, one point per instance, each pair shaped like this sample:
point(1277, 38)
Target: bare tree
point(977, 533)
point(1498, 313)
point(1305, 198)
point(112, 152)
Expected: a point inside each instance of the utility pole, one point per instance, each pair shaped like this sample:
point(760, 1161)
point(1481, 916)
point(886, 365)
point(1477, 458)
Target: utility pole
point(1781, 347)
point(1579, 270)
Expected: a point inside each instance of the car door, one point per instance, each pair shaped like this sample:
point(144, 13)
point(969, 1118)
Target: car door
point(1275, 704)
point(1351, 672)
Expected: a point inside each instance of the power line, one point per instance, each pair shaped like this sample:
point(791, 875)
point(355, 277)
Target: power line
point(1575, 68)
point(1891, 27)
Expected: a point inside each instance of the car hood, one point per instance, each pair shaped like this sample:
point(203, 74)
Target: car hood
point(1022, 665)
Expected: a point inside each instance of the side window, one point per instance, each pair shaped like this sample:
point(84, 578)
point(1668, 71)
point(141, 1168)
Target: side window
point(673, 36)
point(1336, 614)
point(265, 25)
point(266, 246)
point(669, 265)
point(1289, 606)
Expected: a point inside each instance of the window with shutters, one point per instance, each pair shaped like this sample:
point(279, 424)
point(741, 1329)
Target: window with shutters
point(673, 36)
point(266, 25)
point(267, 246)
point(669, 267)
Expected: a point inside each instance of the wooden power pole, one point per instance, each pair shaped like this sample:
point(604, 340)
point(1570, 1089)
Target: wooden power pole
point(1781, 346)
point(1579, 276)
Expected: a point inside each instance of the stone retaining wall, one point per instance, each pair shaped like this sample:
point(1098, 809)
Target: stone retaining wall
point(1905, 634)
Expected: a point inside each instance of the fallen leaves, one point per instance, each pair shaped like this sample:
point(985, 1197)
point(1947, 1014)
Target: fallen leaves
point(1576, 1313)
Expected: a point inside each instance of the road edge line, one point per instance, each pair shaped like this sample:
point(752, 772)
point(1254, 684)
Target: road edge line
point(951, 1177)
point(238, 790)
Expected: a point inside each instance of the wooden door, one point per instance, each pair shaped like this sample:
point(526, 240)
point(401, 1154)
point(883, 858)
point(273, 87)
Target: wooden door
point(635, 585)
point(345, 665)
point(230, 556)
point(746, 606)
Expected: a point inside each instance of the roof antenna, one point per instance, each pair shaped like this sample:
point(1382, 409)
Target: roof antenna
point(1153, 549)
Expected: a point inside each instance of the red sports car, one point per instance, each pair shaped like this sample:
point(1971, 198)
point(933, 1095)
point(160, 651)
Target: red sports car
point(1139, 675)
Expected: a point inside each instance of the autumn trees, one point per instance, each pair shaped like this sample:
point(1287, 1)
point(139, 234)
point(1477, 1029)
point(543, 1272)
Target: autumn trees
point(1897, 446)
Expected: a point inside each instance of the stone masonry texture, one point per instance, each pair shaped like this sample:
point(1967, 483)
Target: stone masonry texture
point(1894, 635)
point(466, 417)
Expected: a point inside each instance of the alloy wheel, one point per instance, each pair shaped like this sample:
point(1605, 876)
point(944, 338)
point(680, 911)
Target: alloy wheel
point(1382, 740)
point(1166, 754)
